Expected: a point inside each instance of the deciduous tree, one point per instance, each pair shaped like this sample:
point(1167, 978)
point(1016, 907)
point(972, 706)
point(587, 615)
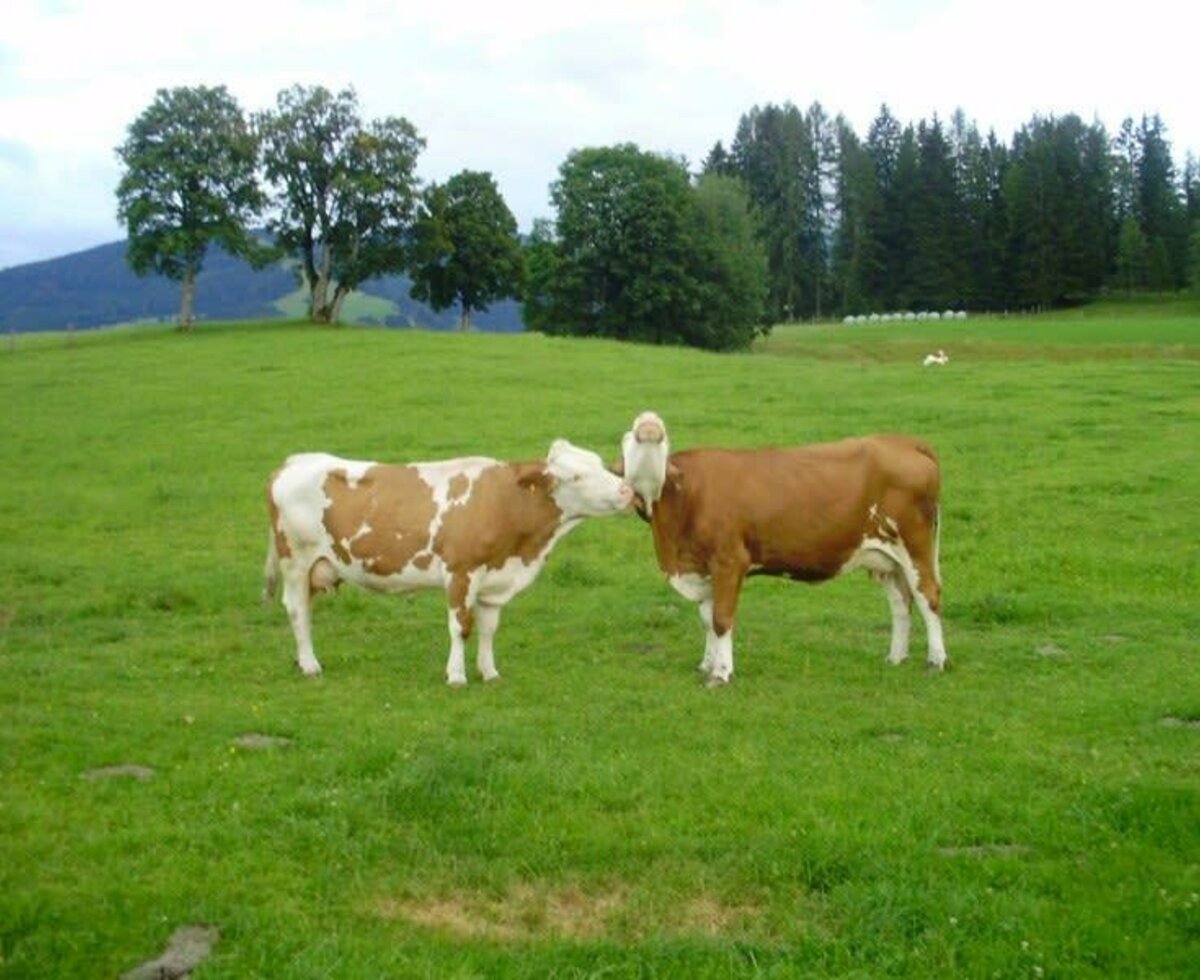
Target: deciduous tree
point(466, 248)
point(190, 180)
point(638, 253)
point(347, 191)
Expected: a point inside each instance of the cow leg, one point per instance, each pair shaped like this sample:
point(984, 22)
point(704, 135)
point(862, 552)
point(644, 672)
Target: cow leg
point(927, 591)
point(460, 622)
point(488, 619)
point(710, 638)
point(900, 599)
point(933, 630)
point(297, 600)
point(727, 584)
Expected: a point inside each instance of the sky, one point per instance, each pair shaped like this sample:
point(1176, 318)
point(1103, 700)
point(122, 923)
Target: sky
point(513, 87)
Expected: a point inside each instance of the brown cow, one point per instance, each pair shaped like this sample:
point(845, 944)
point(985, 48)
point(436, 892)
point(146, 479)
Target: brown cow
point(478, 528)
point(807, 513)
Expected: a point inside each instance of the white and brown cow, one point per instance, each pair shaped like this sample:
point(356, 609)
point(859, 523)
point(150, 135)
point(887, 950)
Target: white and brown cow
point(478, 528)
point(807, 513)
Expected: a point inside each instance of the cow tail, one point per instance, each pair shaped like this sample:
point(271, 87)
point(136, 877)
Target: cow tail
point(270, 568)
point(937, 543)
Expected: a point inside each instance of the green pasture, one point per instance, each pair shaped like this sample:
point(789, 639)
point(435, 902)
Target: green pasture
point(1033, 812)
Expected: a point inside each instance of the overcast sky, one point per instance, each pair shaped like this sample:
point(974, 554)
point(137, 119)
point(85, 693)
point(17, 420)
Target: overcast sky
point(513, 87)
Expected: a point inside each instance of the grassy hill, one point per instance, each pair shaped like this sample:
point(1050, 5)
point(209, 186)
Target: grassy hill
point(96, 288)
point(1032, 812)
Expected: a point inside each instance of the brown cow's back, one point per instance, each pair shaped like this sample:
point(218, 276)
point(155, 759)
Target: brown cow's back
point(796, 511)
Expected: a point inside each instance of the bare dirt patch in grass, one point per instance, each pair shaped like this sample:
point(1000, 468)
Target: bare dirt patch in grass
point(124, 771)
point(530, 912)
point(187, 948)
point(1174, 721)
point(256, 740)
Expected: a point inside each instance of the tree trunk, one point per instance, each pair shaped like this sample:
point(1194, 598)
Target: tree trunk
point(319, 307)
point(188, 300)
point(335, 308)
point(464, 321)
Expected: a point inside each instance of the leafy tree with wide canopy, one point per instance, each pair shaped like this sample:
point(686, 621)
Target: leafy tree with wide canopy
point(190, 180)
point(466, 248)
point(637, 253)
point(347, 191)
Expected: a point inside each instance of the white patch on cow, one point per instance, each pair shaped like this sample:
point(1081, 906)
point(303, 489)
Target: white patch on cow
point(498, 585)
point(692, 586)
point(888, 560)
point(878, 556)
point(645, 449)
point(897, 596)
point(722, 660)
point(583, 485)
point(933, 629)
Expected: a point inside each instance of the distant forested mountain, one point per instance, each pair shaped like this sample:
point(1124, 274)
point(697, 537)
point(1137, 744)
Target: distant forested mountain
point(95, 288)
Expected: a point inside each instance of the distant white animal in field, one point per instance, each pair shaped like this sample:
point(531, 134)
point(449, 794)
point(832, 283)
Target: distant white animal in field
point(936, 358)
point(644, 452)
point(960, 315)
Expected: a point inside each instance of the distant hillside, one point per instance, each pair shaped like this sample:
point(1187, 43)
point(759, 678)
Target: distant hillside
point(95, 288)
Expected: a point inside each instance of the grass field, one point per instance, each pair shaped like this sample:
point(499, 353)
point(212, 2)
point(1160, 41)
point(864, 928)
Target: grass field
point(1033, 812)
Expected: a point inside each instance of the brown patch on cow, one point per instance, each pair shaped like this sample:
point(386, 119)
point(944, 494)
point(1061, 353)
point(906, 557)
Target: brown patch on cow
point(382, 519)
point(459, 484)
point(881, 527)
point(537, 910)
point(423, 560)
point(510, 513)
point(456, 594)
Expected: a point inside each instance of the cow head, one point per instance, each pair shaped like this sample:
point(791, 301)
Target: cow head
point(644, 452)
point(581, 485)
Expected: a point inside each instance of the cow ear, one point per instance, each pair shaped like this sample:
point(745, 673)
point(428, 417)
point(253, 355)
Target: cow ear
point(617, 466)
point(532, 476)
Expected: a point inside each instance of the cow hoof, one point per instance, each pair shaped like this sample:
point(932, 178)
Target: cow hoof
point(310, 670)
point(938, 666)
point(456, 681)
point(714, 681)
point(490, 678)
